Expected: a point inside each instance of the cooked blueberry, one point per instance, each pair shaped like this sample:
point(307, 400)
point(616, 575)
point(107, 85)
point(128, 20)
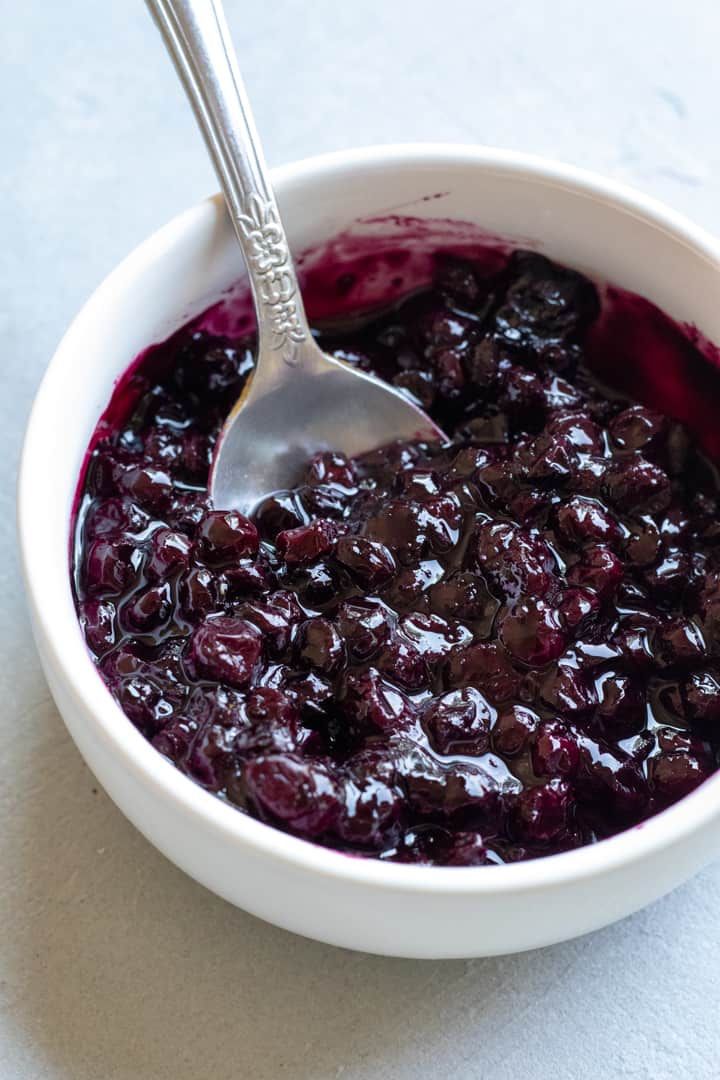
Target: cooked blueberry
point(209, 366)
point(675, 527)
point(225, 649)
point(515, 561)
point(513, 729)
point(320, 646)
point(329, 501)
point(113, 518)
point(443, 329)
point(423, 845)
point(455, 278)
point(226, 536)
point(522, 395)
point(161, 448)
point(372, 704)
point(486, 666)
point(278, 513)
point(187, 511)
point(641, 546)
point(467, 849)
point(148, 609)
point(365, 626)
point(483, 363)
point(679, 641)
point(217, 704)
point(621, 705)
point(632, 643)
point(402, 527)
point(107, 568)
point(247, 577)
point(303, 545)
point(370, 563)
point(418, 386)
point(436, 789)
point(311, 694)
point(317, 586)
point(589, 475)
point(432, 636)
point(212, 755)
point(409, 588)
point(372, 804)
point(195, 454)
point(404, 664)
point(532, 507)
point(638, 486)
point(559, 393)
point(497, 483)
point(303, 795)
point(531, 631)
point(97, 618)
point(459, 722)
point(542, 812)
point(175, 738)
point(441, 518)
point(598, 569)
point(702, 696)
point(470, 791)
point(419, 484)
point(612, 784)
point(545, 303)
point(463, 595)
point(637, 428)
point(169, 553)
point(330, 468)
point(447, 366)
point(466, 462)
point(567, 690)
point(670, 576)
point(555, 750)
point(580, 430)
point(150, 693)
point(676, 771)
point(151, 488)
point(549, 460)
point(272, 724)
point(199, 593)
point(584, 520)
point(579, 610)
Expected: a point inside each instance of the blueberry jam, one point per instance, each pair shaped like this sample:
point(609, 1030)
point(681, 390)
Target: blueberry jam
point(498, 648)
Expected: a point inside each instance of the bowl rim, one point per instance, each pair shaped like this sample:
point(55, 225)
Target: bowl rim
point(135, 754)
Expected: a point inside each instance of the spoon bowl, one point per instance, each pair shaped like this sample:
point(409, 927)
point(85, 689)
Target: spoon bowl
point(322, 404)
point(299, 400)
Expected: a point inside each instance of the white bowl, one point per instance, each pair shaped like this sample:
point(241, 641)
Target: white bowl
point(398, 910)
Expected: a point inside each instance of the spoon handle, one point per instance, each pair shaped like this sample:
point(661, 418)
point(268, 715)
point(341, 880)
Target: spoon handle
point(197, 38)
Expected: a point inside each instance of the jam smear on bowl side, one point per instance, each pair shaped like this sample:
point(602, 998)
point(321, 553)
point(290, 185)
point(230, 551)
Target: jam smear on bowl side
point(490, 650)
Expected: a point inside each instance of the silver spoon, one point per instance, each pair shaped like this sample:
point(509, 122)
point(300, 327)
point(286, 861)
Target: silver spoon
point(299, 400)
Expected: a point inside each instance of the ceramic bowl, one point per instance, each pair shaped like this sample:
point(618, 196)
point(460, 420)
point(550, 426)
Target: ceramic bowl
point(587, 222)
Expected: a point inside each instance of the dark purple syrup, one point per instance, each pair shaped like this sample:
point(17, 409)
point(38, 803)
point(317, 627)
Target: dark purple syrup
point(484, 651)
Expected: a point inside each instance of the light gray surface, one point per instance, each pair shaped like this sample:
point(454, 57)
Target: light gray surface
point(112, 963)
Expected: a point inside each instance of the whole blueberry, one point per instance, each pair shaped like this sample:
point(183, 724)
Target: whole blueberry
point(226, 649)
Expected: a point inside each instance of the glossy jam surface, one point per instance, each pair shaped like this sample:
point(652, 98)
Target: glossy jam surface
point(460, 654)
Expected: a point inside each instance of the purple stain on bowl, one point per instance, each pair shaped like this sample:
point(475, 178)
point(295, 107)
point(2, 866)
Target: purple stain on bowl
point(499, 648)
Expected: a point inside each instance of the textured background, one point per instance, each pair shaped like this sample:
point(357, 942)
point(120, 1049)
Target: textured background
point(112, 963)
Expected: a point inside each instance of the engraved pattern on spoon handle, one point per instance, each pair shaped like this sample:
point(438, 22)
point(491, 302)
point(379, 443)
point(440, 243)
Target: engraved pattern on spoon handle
point(197, 38)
